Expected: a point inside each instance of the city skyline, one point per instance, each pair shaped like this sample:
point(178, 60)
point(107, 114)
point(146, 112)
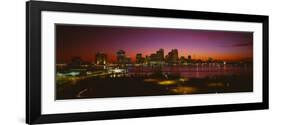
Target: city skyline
point(199, 44)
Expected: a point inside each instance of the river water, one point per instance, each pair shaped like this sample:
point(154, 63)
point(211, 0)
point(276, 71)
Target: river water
point(169, 80)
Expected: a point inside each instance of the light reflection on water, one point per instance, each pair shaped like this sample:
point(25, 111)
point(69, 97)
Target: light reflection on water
point(186, 75)
point(193, 71)
point(217, 84)
point(167, 82)
point(184, 90)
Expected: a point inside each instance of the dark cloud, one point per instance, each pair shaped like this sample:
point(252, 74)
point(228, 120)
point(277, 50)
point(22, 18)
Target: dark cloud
point(244, 44)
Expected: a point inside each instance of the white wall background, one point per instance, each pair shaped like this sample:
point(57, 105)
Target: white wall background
point(12, 61)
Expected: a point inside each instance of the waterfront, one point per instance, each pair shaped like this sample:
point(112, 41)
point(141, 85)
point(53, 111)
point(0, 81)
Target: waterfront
point(155, 81)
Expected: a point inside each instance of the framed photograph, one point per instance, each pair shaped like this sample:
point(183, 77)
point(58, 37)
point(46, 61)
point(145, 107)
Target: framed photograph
point(95, 62)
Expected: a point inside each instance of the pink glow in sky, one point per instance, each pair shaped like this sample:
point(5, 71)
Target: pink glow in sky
point(85, 41)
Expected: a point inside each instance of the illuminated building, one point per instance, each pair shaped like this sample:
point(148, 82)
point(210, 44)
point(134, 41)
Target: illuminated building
point(101, 59)
point(172, 57)
point(160, 55)
point(147, 59)
point(121, 57)
point(153, 57)
point(156, 58)
point(128, 60)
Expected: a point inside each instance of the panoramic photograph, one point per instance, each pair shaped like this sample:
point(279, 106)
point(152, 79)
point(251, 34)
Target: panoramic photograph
point(95, 61)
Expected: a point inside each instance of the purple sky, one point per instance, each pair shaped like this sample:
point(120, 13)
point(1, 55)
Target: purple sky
point(85, 41)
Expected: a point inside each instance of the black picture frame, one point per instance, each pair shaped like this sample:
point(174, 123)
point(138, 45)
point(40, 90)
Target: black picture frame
point(33, 61)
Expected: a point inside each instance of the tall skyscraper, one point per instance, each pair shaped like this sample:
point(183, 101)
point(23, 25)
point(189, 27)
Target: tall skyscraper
point(189, 59)
point(121, 56)
point(139, 58)
point(101, 59)
point(160, 55)
point(172, 57)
